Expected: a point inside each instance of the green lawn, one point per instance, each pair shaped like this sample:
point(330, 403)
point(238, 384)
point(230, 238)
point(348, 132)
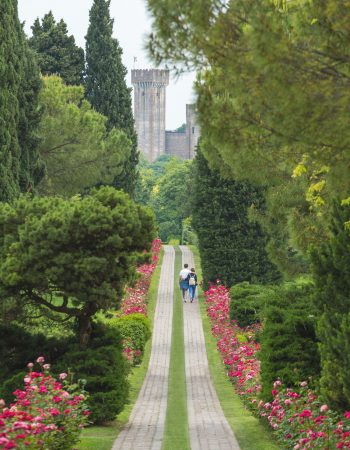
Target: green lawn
point(176, 425)
point(250, 432)
point(102, 437)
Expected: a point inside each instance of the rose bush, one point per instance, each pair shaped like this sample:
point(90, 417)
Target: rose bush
point(135, 302)
point(299, 418)
point(46, 413)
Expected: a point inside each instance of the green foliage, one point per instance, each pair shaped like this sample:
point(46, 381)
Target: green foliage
point(105, 370)
point(293, 141)
point(73, 257)
point(189, 236)
point(232, 248)
point(20, 168)
point(134, 328)
point(57, 52)
point(149, 173)
point(248, 302)
point(77, 149)
point(289, 347)
point(331, 270)
point(170, 198)
point(17, 348)
point(106, 88)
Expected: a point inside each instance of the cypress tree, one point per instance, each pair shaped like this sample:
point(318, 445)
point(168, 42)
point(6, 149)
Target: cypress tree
point(10, 73)
point(106, 87)
point(20, 165)
point(57, 52)
point(232, 248)
point(32, 168)
point(331, 270)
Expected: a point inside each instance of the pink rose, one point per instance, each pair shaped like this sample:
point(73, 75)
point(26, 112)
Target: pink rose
point(62, 376)
point(30, 365)
point(324, 408)
point(46, 366)
point(40, 360)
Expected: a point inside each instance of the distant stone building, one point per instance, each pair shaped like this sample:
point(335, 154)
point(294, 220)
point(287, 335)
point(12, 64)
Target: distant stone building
point(149, 112)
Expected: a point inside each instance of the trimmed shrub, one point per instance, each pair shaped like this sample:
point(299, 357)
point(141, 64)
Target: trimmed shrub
point(247, 302)
point(105, 370)
point(135, 330)
point(289, 347)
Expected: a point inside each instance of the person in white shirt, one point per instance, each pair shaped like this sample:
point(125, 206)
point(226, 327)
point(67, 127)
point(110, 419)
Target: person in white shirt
point(183, 280)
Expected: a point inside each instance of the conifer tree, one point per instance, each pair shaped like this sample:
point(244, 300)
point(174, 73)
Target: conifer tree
point(32, 167)
point(9, 105)
point(331, 269)
point(106, 87)
point(57, 52)
point(232, 248)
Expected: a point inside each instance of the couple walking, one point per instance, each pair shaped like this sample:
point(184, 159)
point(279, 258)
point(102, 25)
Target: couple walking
point(188, 282)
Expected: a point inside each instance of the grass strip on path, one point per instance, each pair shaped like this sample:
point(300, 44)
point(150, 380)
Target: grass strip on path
point(103, 437)
point(251, 434)
point(176, 436)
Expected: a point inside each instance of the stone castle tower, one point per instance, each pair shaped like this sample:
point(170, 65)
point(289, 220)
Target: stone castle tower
point(149, 110)
point(149, 113)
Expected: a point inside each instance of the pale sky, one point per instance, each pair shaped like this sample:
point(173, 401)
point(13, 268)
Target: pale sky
point(131, 26)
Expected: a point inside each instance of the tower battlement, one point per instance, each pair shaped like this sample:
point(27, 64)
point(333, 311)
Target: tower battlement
point(156, 76)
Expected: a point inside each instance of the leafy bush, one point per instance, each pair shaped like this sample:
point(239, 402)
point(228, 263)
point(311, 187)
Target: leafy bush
point(135, 330)
point(247, 302)
point(105, 370)
point(289, 347)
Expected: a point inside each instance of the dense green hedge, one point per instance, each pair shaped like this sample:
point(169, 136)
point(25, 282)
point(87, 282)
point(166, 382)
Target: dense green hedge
point(231, 247)
point(247, 302)
point(289, 347)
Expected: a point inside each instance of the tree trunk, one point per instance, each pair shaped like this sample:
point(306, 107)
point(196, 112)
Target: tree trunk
point(85, 329)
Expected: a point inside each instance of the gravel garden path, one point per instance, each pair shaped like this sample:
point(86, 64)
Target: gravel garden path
point(208, 427)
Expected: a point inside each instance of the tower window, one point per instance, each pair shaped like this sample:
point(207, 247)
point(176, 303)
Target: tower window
point(192, 130)
point(143, 93)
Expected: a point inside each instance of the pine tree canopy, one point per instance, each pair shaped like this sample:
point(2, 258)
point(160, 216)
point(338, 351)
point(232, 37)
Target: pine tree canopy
point(78, 150)
point(57, 52)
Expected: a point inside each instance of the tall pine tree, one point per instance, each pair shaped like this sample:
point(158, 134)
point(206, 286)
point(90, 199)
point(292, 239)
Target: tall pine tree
point(106, 87)
point(57, 52)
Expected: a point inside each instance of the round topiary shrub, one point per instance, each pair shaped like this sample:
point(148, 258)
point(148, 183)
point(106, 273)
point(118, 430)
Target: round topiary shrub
point(135, 330)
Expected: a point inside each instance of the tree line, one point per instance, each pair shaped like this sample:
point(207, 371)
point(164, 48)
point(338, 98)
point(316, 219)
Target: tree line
point(81, 121)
